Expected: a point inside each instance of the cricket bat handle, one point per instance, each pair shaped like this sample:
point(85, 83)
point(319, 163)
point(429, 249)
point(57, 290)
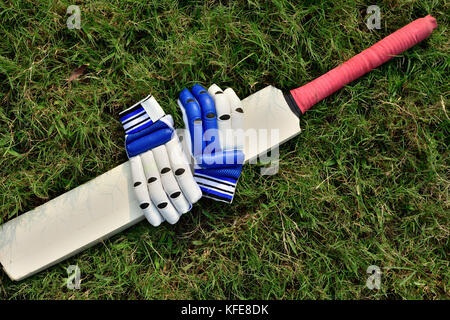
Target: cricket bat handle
point(311, 93)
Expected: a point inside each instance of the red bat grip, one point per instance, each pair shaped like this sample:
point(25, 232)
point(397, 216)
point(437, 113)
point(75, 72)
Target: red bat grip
point(399, 41)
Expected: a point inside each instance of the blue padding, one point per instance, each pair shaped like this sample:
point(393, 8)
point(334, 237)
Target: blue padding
point(209, 114)
point(158, 125)
point(220, 159)
point(141, 127)
point(149, 142)
point(194, 118)
point(230, 174)
point(207, 106)
point(191, 106)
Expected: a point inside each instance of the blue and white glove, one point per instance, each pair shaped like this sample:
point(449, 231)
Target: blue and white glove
point(214, 119)
point(162, 178)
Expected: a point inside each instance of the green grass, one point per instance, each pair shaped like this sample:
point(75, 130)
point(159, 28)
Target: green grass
point(366, 183)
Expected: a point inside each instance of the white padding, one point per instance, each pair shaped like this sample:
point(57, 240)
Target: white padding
point(156, 190)
point(213, 89)
point(168, 180)
point(167, 119)
point(182, 170)
point(223, 110)
point(187, 133)
point(141, 192)
point(233, 98)
point(237, 118)
point(152, 107)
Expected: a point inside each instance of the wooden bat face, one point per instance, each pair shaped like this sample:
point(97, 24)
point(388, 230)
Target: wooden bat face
point(268, 122)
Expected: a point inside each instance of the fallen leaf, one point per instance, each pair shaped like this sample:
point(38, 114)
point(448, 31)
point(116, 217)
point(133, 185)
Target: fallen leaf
point(78, 72)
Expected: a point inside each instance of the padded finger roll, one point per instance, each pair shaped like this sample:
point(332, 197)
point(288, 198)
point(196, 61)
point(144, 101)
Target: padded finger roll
point(169, 182)
point(182, 171)
point(237, 118)
point(141, 192)
point(223, 111)
point(209, 116)
point(192, 117)
point(148, 138)
point(156, 189)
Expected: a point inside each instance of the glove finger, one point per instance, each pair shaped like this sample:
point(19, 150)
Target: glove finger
point(237, 118)
point(141, 192)
point(141, 115)
point(223, 116)
point(192, 117)
point(155, 187)
point(209, 116)
point(168, 180)
point(182, 171)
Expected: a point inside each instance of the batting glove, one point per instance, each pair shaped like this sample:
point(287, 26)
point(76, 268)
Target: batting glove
point(162, 178)
point(214, 119)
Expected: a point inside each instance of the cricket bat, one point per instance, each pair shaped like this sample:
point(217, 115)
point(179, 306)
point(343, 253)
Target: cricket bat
point(106, 205)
